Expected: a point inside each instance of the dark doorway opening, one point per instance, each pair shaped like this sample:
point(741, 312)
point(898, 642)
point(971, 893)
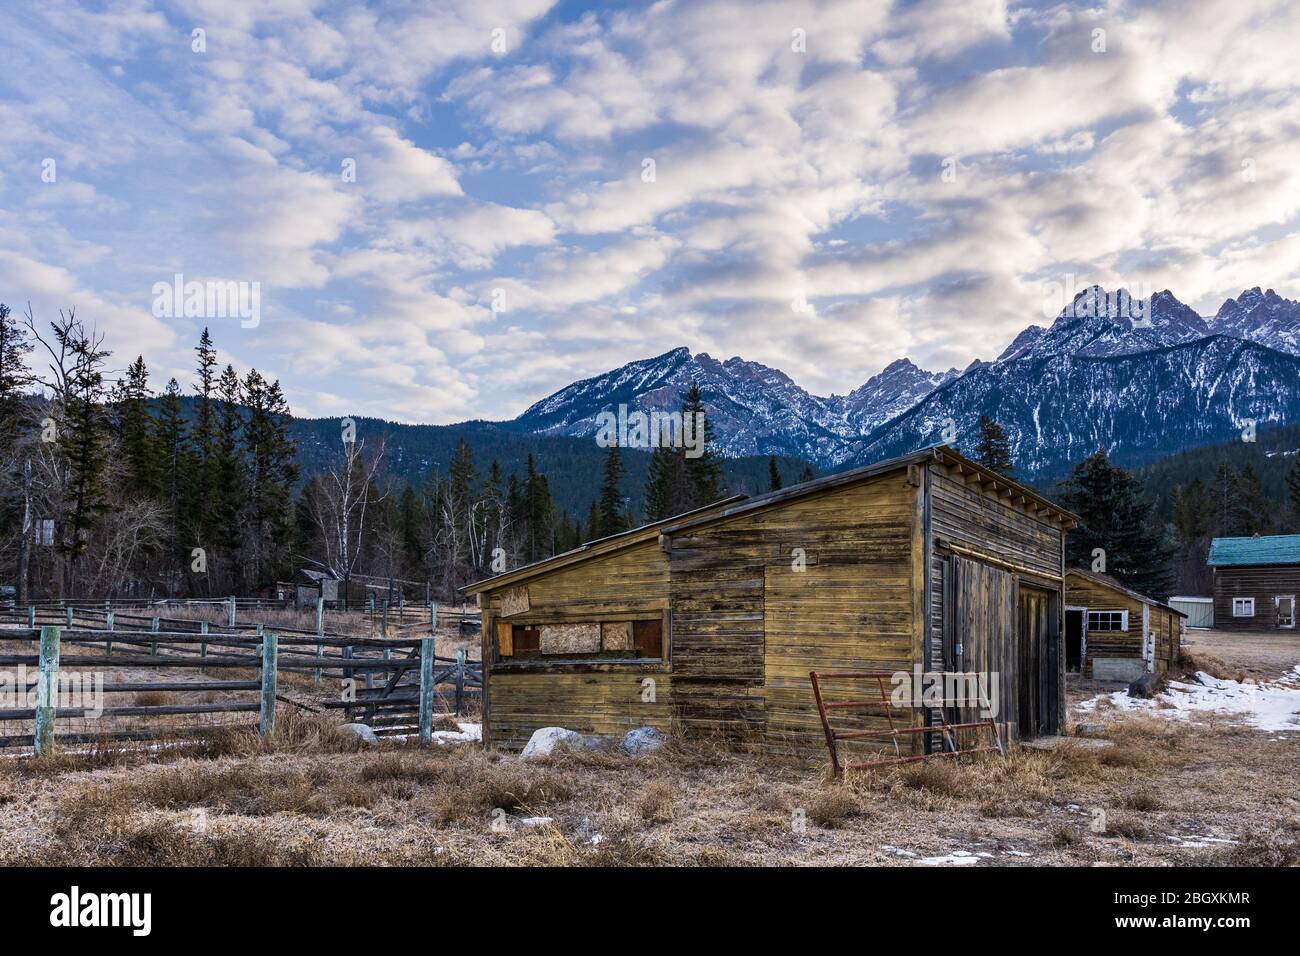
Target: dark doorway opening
point(1073, 640)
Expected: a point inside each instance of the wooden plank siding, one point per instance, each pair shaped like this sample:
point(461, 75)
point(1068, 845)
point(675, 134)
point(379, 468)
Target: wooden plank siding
point(604, 698)
point(1084, 591)
point(1263, 582)
point(971, 514)
point(748, 627)
point(850, 573)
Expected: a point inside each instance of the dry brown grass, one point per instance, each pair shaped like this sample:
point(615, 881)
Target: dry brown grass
point(1191, 662)
point(655, 802)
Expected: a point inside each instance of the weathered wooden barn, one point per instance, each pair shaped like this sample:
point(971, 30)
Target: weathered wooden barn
point(710, 622)
point(1256, 581)
point(1115, 633)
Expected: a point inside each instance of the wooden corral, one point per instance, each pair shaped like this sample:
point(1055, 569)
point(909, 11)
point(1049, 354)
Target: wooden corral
point(1115, 633)
point(928, 562)
point(1256, 582)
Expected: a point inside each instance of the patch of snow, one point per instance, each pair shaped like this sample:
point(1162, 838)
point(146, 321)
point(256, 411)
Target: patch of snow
point(955, 858)
point(467, 733)
point(1272, 705)
point(897, 851)
point(535, 821)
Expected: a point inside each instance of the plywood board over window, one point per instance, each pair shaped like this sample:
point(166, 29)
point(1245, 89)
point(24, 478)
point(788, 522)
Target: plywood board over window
point(570, 638)
point(515, 601)
point(616, 636)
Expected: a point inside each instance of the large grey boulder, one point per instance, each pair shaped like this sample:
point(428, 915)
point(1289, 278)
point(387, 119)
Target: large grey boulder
point(642, 740)
point(546, 740)
point(366, 735)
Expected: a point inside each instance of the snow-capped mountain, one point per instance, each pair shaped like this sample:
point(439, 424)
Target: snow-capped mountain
point(1101, 323)
point(1263, 317)
point(754, 409)
point(1142, 377)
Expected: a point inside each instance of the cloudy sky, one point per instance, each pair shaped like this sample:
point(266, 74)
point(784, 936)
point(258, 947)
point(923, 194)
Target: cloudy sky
point(544, 190)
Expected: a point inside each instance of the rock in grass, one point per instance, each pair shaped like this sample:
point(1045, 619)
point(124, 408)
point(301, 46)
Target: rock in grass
point(546, 740)
point(362, 731)
point(642, 740)
point(1146, 686)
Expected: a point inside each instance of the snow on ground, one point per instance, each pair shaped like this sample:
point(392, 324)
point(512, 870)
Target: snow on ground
point(1271, 705)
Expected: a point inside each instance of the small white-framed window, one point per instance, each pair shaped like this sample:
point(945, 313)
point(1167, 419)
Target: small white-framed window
point(1243, 607)
point(1108, 620)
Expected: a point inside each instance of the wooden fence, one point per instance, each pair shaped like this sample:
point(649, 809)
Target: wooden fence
point(389, 683)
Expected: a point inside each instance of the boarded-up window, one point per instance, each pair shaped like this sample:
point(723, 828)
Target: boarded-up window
point(647, 636)
point(515, 601)
point(616, 636)
point(570, 638)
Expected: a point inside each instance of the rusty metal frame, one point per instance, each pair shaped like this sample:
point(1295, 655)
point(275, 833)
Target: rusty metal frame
point(833, 736)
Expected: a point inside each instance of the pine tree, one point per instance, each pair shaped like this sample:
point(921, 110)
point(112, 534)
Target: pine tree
point(665, 491)
point(271, 472)
point(83, 438)
point(613, 518)
point(1222, 494)
point(703, 471)
point(175, 466)
point(1250, 508)
point(136, 431)
point(993, 450)
point(1193, 523)
point(773, 474)
point(539, 515)
point(225, 524)
point(14, 376)
point(1293, 491)
point(807, 473)
point(591, 531)
point(1117, 518)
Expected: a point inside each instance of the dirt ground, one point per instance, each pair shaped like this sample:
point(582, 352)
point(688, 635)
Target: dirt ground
point(1202, 790)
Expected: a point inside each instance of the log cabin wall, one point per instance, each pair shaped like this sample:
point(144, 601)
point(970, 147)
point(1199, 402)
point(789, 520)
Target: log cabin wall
point(1094, 595)
point(1084, 591)
point(1263, 582)
point(972, 517)
point(594, 698)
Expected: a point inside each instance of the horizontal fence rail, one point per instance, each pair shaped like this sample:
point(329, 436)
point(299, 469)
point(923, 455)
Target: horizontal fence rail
point(383, 681)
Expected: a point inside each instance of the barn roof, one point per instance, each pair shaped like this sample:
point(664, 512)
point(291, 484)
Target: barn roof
point(1107, 581)
point(1261, 549)
point(740, 504)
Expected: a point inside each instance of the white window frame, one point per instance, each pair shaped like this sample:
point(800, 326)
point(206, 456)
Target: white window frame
point(1277, 604)
point(1243, 601)
point(1087, 620)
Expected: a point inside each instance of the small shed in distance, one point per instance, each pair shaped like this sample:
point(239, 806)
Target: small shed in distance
point(1199, 610)
point(710, 622)
point(1256, 581)
point(1115, 633)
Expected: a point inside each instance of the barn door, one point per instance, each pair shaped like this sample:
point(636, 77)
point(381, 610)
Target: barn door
point(1039, 651)
point(984, 633)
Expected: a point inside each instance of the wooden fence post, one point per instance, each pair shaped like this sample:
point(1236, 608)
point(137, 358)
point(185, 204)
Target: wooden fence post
point(426, 690)
point(320, 632)
point(154, 626)
point(47, 691)
point(270, 647)
point(203, 646)
point(230, 615)
point(31, 616)
point(433, 616)
point(68, 614)
point(108, 626)
point(460, 681)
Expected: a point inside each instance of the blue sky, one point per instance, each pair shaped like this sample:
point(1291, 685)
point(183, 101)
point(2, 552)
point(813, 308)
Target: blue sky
point(501, 239)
